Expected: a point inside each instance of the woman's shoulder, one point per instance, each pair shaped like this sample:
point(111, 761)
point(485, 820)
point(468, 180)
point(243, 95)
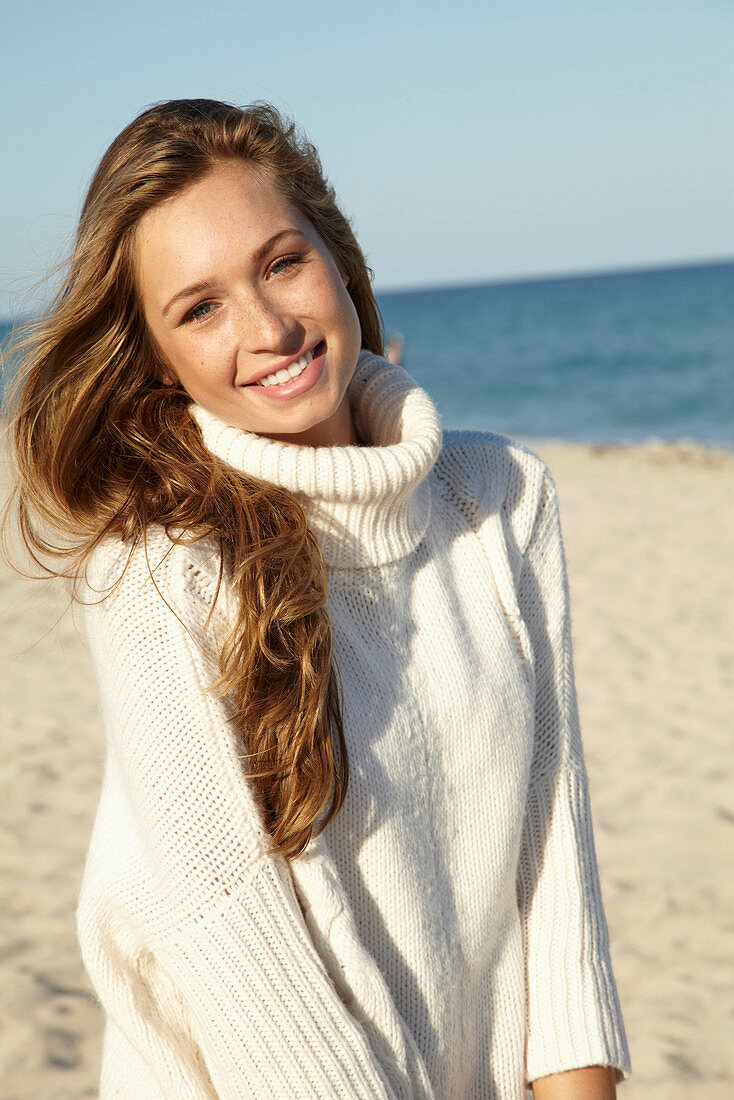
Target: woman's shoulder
point(159, 566)
point(487, 474)
point(488, 447)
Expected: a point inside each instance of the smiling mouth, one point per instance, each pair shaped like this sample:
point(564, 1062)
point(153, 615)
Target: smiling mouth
point(286, 374)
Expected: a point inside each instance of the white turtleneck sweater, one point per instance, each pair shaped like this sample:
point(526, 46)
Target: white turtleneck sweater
point(445, 935)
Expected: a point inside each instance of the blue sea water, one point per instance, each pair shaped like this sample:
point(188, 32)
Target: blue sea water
point(618, 357)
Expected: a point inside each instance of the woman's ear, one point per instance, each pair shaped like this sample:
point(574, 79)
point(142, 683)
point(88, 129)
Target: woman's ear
point(343, 275)
point(163, 372)
point(167, 377)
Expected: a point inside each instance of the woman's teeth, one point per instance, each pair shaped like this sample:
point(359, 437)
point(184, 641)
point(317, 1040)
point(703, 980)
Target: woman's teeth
point(287, 373)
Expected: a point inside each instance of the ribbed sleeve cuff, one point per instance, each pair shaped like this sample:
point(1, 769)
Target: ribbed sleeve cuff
point(574, 1014)
point(281, 1029)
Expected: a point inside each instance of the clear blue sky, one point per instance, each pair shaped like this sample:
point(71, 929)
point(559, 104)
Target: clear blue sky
point(467, 141)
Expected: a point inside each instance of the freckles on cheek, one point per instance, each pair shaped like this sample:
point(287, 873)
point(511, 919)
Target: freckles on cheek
point(208, 378)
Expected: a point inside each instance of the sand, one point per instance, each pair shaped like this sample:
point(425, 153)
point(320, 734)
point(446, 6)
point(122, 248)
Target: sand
point(649, 534)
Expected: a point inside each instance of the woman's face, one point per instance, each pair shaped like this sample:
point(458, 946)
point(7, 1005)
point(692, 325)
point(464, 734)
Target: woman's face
point(236, 285)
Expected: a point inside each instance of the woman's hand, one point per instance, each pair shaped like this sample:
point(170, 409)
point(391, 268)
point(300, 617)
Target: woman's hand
point(589, 1083)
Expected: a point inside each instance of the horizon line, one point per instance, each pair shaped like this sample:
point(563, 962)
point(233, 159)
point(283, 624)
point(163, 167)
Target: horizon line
point(514, 280)
point(557, 276)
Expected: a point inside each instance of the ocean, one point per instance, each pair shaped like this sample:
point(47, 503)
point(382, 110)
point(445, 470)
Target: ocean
point(620, 357)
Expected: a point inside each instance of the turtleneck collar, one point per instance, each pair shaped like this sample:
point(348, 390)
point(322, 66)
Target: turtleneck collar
point(366, 505)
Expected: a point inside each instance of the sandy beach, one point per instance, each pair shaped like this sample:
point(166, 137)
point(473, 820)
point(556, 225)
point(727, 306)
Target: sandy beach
point(649, 535)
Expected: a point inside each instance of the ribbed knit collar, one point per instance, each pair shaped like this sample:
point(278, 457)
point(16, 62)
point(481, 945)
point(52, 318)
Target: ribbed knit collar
point(367, 505)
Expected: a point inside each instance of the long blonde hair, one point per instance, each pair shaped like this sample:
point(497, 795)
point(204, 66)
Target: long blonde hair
point(105, 446)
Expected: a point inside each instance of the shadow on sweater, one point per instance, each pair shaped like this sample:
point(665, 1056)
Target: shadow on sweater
point(407, 703)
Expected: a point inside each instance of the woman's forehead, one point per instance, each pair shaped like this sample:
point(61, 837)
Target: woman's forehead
point(231, 189)
point(232, 209)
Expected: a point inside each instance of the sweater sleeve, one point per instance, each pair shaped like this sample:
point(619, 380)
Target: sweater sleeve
point(192, 933)
point(574, 1015)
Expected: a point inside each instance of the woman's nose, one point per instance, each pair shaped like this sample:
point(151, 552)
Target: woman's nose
point(265, 325)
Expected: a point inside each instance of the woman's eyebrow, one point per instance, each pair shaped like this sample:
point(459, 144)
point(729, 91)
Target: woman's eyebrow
point(206, 284)
point(188, 292)
point(262, 250)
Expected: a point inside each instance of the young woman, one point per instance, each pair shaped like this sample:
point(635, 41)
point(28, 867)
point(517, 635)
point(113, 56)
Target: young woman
point(343, 846)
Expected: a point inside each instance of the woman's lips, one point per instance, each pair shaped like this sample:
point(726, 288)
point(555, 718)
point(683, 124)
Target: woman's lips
point(295, 386)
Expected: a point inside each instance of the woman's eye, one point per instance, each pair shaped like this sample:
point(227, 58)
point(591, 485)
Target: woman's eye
point(198, 313)
point(284, 263)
